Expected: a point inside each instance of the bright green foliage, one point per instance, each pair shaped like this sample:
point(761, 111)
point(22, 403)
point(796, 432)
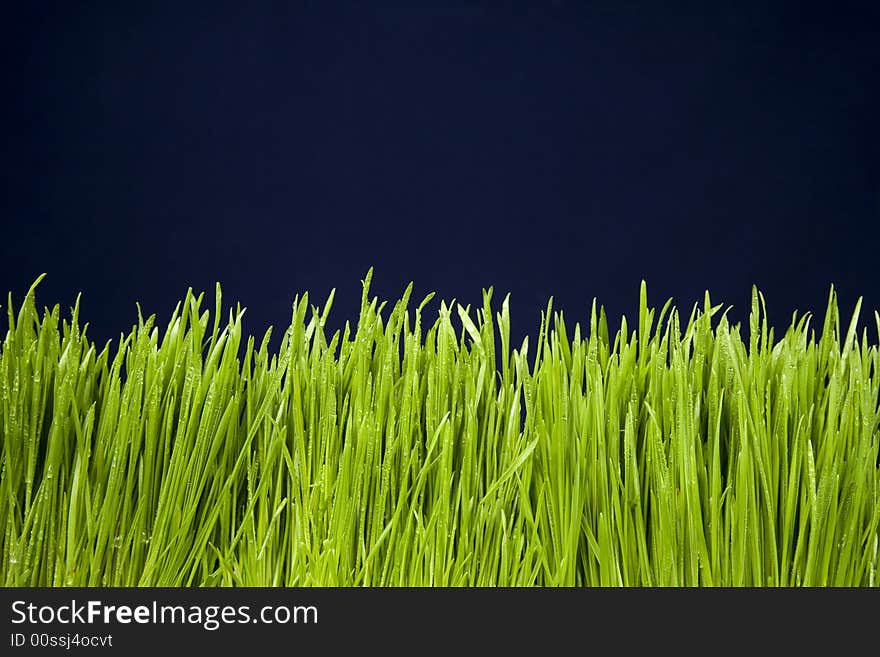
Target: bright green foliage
point(395, 453)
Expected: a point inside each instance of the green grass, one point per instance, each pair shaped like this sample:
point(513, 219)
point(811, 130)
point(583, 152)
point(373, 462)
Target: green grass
point(405, 451)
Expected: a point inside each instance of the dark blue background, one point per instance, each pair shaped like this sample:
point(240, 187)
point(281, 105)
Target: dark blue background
point(547, 148)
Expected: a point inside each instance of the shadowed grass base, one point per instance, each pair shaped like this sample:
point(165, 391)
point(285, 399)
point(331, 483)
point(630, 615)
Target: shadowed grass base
point(395, 453)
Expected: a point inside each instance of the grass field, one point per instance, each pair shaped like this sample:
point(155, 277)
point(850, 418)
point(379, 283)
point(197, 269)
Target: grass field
point(409, 450)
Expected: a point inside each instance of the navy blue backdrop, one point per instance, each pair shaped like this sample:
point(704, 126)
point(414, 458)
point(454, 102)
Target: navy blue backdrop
point(547, 148)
